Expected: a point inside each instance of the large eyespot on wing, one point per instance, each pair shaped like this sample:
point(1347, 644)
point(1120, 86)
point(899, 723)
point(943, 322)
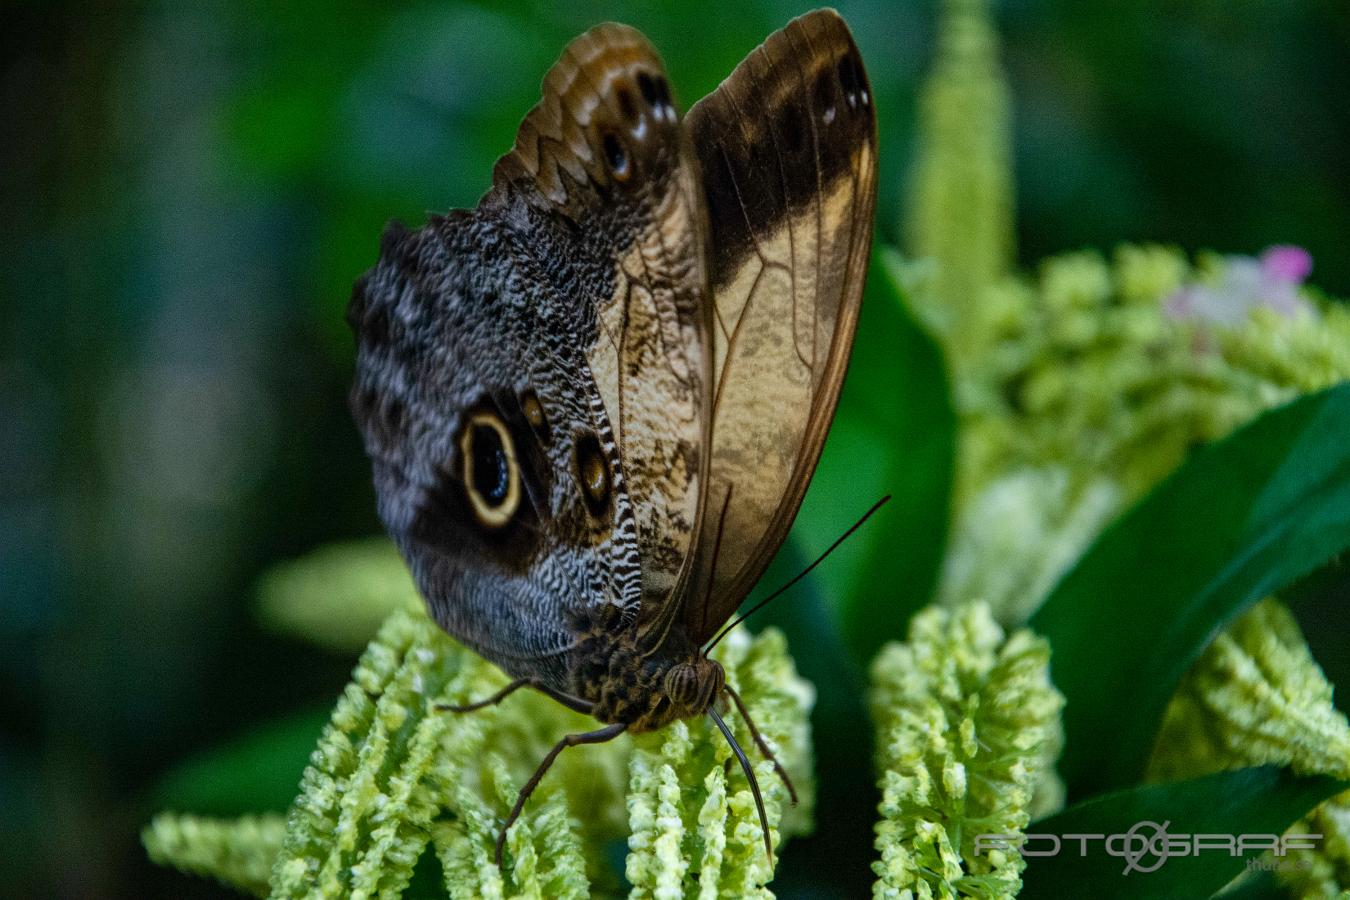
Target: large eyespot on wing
point(602, 168)
point(787, 150)
point(456, 397)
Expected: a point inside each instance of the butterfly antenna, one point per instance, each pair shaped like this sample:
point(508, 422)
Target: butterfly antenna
point(749, 776)
point(800, 575)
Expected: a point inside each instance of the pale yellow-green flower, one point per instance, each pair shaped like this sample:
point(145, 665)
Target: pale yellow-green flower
point(1017, 536)
point(695, 831)
point(961, 196)
point(1086, 368)
point(1324, 872)
point(1257, 696)
point(967, 726)
point(339, 595)
point(393, 778)
point(1088, 391)
point(236, 852)
point(548, 854)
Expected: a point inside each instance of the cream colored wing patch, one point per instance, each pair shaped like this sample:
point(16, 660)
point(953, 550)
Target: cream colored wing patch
point(787, 149)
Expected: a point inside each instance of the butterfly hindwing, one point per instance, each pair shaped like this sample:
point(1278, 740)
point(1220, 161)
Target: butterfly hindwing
point(531, 379)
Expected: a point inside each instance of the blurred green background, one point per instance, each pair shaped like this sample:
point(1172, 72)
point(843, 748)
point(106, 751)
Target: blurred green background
point(189, 190)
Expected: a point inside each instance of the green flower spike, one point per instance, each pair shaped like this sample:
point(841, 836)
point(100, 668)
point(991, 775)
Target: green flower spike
point(967, 726)
point(1091, 388)
point(1257, 696)
point(390, 770)
point(961, 205)
point(393, 778)
point(695, 831)
point(338, 595)
point(238, 852)
point(1039, 508)
point(1089, 367)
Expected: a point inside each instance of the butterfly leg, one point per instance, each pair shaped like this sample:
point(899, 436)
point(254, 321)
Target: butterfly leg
point(599, 736)
point(490, 701)
point(760, 742)
point(581, 706)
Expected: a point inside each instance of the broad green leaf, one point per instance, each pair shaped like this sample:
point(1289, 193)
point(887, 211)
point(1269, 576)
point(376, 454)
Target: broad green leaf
point(894, 433)
point(254, 773)
point(1240, 520)
point(1259, 885)
point(1257, 801)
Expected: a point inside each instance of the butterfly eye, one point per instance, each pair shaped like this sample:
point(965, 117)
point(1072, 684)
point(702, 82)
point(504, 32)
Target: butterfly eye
point(681, 684)
point(616, 157)
point(593, 469)
point(491, 478)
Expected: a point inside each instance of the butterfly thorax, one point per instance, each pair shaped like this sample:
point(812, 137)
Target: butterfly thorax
point(643, 688)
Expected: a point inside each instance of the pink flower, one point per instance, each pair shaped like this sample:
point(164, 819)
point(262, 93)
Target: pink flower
point(1286, 263)
point(1246, 283)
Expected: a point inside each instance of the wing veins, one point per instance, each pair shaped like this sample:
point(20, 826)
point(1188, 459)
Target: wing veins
point(791, 230)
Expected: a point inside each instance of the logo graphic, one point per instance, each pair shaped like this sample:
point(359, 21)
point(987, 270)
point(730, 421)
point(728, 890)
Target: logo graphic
point(1147, 845)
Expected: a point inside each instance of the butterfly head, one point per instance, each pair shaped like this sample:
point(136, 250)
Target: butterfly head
point(691, 687)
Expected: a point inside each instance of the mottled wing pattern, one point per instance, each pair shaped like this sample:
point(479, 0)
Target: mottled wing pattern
point(605, 147)
point(542, 351)
point(787, 149)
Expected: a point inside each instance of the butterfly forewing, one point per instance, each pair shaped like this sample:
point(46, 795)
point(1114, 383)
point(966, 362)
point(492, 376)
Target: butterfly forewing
point(787, 151)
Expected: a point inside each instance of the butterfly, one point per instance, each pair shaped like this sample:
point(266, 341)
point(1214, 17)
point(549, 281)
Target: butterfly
point(593, 403)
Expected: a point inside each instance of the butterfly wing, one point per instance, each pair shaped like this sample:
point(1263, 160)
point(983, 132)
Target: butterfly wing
point(530, 378)
point(787, 150)
point(606, 148)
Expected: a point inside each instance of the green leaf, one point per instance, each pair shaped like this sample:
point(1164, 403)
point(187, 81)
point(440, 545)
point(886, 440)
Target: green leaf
point(1258, 801)
point(894, 433)
point(1238, 521)
point(1258, 885)
point(257, 772)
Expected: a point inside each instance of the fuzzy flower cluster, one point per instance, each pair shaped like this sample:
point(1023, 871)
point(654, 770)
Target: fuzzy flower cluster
point(393, 777)
point(389, 767)
point(967, 734)
point(1087, 368)
point(236, 852)
point(1257, 696)
point(1097, 380)
point(960, 208)
point(695, 832)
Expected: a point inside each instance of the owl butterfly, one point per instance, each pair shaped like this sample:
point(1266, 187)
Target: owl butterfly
point(594, 402)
